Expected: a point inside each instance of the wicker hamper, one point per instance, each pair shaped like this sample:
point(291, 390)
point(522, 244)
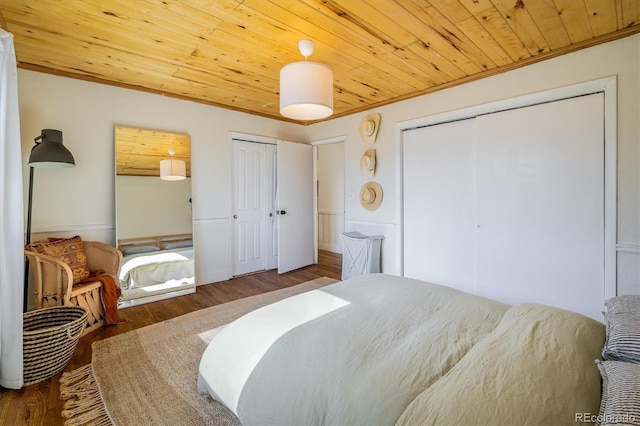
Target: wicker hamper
point(50, 337)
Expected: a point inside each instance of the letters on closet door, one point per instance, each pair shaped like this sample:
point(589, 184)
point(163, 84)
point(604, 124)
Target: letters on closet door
point(510, 205)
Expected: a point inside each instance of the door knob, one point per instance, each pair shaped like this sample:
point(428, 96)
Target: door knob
point(235, 216)
point(270, 214)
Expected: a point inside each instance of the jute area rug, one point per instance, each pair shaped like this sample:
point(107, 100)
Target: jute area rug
point(148, 376)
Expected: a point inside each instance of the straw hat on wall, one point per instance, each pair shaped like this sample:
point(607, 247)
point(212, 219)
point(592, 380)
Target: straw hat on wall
point(369, 128)
point(368, 163)
point(371, 195)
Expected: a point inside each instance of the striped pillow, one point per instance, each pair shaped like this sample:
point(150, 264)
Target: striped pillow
point(623, 329)
point(620, 403)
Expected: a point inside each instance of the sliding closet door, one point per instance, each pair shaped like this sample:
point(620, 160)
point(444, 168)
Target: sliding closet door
point(540, 172)
point(510, 205)
point(439, 204)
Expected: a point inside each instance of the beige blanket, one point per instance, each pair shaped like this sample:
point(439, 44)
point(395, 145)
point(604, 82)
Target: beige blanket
point(536, 368)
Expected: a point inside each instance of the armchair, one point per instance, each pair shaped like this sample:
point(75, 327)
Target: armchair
point(53, 281)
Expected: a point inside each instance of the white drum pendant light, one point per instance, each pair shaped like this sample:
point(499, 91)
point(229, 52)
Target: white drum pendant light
point(171, 169)
point(306, 88)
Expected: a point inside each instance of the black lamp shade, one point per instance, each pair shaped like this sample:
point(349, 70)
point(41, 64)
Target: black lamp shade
point(50, 152)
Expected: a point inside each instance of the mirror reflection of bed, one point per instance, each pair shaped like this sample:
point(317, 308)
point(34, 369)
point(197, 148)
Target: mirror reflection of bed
point(153, 215)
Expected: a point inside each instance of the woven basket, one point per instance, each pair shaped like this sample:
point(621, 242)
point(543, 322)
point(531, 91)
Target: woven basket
point(50, 337)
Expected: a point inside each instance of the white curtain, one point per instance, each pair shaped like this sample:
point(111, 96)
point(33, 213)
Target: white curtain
point(11, 220)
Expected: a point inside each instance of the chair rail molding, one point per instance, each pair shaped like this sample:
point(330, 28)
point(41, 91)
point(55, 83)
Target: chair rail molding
point(105, 233)
point(73, 228)
point(628, 248)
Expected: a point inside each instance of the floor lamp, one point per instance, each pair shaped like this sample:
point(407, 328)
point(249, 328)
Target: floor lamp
point(48, 152)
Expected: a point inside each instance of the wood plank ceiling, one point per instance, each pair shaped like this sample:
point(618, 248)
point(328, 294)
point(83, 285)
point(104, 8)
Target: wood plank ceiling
point(139, 151)
point(229, 53)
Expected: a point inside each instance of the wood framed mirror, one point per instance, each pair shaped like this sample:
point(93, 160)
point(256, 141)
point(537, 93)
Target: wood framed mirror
point(153, 214)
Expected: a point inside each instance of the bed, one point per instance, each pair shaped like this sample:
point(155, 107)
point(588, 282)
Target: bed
point(382, 349)
point(156, 268)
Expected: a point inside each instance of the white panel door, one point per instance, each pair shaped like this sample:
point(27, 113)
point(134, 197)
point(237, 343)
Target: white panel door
point(295, 206)
point(249, 207)
point(541, 204)
point(439, 204)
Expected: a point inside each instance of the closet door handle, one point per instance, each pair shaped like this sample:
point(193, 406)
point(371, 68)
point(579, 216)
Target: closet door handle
point(235, 216)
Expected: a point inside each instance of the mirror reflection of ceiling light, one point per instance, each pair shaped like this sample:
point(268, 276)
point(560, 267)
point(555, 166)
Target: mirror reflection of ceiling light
point(172, 169)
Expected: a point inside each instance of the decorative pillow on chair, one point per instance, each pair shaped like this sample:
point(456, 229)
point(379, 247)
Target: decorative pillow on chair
point(70, 250)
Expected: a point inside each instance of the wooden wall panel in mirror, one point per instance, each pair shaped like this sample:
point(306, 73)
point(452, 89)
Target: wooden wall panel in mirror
point(153, 214)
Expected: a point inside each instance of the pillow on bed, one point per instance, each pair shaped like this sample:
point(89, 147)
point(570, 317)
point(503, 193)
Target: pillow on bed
point(69, 250)
point(620, 393)
point(623, 329)
point(178, 244)
point(140, 249)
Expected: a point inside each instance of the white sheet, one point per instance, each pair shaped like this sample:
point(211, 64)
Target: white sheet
point(150, 269)
point(356, 352)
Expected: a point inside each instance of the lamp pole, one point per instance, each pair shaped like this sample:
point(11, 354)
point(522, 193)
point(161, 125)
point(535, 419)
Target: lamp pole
point(48, 152)
point(28, 240)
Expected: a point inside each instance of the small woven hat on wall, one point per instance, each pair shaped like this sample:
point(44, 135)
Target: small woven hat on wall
point(369, 128)
point(368, 163)
point(371, 195)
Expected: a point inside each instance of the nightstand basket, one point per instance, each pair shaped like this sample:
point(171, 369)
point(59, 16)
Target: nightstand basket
point(50, 336)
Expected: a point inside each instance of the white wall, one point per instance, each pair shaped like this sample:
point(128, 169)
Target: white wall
point(330, 196)
point(331, 177)
point(81, 198)
point(148, 206)
point(619, 58)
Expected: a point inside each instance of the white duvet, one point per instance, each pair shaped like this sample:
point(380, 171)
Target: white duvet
point(149, 269)
point(355, 352)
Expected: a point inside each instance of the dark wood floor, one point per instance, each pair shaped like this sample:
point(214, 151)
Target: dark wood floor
point(40, 404)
